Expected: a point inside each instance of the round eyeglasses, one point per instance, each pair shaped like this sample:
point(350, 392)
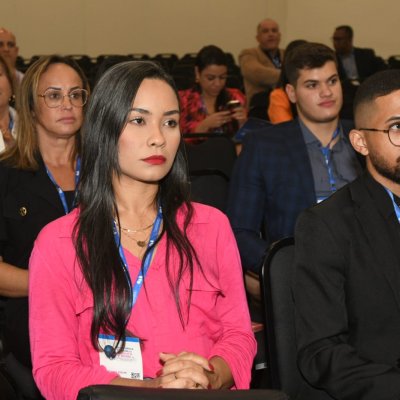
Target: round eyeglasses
point(393, 132)
point(54, 98)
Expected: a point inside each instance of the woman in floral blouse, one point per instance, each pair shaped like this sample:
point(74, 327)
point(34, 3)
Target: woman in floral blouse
point(209, 106)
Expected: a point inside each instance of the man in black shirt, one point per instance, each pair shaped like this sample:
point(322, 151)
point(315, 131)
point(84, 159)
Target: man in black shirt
point(347, 272)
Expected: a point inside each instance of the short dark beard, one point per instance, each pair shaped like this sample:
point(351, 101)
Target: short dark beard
point(382, 167)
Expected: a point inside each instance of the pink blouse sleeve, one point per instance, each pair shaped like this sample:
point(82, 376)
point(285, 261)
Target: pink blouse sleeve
point(56, 342)
point(237, 345)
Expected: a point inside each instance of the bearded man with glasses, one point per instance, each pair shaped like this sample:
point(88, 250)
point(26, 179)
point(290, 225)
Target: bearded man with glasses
point(347, 267)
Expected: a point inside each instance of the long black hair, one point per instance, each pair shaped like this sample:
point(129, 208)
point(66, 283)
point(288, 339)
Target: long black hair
point(97, 252)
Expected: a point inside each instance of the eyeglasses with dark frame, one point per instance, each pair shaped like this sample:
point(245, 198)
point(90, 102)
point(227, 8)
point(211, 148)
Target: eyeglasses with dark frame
point(393, 133)
point(54, 98)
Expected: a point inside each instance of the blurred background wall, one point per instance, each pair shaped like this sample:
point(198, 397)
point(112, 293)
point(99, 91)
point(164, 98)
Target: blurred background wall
point(96, 27)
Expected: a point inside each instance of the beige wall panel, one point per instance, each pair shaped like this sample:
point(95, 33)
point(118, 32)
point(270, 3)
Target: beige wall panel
point(179, 26)
point(373, 22)
point(125, 26)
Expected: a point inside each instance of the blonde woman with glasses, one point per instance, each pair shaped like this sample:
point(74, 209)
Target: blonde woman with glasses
point(38, 178)
point(8, 114)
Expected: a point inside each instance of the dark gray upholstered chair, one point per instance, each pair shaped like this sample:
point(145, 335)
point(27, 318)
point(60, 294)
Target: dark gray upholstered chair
point(7, 386)
point(281, 354)
point(210, 166)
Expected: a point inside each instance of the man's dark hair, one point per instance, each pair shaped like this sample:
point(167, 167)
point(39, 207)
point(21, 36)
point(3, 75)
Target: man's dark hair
point(348, 30)
point(307, 56)
point(379, 84)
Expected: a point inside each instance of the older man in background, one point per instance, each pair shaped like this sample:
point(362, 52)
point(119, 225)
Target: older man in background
point(9, 51)
point(354, 63)
point(261, 66)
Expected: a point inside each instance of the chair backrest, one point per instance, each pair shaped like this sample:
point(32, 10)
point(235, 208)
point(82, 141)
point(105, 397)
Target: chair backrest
point(259, 105)
point(281, 353)
point(110, 392)
point(7, 386)
point(166, 60)
point(275, 279)
point(210, 165)
point(139, 56)
point(394, 61)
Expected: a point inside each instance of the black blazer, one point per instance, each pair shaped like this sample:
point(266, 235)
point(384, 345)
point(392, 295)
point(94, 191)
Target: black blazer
point(366, 61)
point(347, 294)
point(28, 202)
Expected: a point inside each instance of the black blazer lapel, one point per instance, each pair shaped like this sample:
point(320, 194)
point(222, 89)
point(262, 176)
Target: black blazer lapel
point(40, 185)
point(372, 221)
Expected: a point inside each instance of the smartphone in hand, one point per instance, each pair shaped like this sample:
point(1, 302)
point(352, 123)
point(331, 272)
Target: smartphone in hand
point(232, 104)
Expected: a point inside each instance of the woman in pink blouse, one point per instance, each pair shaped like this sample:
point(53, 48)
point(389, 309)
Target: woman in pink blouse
point(139, 286)
point(206, 107)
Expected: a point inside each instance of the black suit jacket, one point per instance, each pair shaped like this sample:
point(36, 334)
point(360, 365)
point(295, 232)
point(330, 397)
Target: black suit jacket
point(366, 61)
point(28, 202)
point(347, 294)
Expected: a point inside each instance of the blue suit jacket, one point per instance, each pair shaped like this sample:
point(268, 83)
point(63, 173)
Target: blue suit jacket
point(272, 182)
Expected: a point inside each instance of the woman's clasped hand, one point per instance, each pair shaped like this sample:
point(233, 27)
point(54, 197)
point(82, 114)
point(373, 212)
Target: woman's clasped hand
point(185, 370)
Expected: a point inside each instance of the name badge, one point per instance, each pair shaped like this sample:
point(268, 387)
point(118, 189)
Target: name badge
point(127, 364)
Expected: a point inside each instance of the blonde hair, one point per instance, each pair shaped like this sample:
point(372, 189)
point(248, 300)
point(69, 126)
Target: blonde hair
point(9, 75)
point(23, 154)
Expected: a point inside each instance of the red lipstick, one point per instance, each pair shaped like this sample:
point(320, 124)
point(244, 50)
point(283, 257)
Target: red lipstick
point(155, 160)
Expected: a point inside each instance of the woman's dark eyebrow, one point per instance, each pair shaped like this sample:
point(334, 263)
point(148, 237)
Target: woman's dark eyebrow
point(172, 112)
point(143, 111)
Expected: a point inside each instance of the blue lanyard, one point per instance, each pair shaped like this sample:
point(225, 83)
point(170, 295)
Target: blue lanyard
point(327, 153)
point(60, 191)
point(276, 61)
point(396, 207)
point(11, 123)
point(146, 264)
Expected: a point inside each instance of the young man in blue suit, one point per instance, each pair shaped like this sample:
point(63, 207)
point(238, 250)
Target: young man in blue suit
point(288, 167)
point(347, 268)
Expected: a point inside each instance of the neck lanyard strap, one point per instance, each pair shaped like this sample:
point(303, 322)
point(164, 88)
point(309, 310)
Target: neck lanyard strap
point(327, 153)
point(276, 61)
point(146, 264)
point(11, 123)
point(395, 206)
point(60, 192)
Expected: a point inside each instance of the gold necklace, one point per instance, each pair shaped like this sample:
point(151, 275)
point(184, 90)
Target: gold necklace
point(129, 230)
point(140, 243)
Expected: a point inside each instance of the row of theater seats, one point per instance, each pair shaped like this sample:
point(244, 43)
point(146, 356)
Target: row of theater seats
point(181, 68)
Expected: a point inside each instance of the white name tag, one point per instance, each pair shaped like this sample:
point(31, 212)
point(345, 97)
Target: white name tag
point(127, 364)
